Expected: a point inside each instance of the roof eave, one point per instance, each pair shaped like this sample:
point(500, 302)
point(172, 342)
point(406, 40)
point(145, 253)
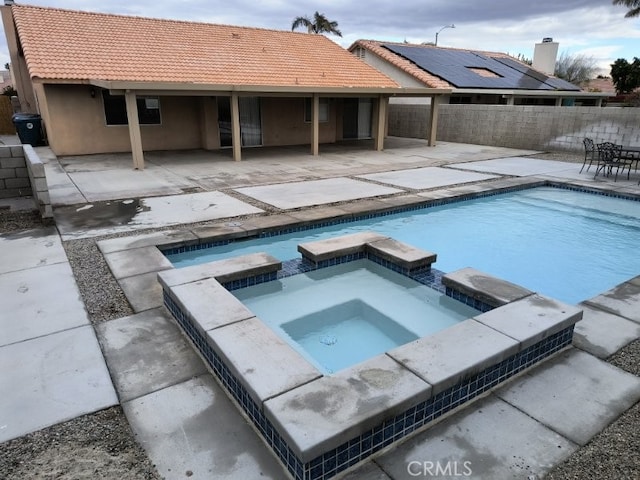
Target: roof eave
point(206, 89)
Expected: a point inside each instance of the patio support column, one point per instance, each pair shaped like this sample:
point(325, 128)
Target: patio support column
point(558, 101)
point(433, 120)
point(236, 139)
point(315, 125)
point(381, 122)
point(134, 130)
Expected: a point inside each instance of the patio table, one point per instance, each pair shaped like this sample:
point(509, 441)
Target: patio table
point(631, 153)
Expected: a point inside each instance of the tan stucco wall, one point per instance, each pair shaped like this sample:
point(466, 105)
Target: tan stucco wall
point(283, 122)
point(76, 124)
point(380, 64)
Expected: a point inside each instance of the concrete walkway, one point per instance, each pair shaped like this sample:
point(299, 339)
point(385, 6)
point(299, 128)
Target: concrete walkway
point(54, 370)
point(52, 366)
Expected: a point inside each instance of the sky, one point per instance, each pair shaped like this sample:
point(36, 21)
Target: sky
point(595, 28)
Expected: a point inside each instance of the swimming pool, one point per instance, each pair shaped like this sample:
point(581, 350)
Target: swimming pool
point(566, 244)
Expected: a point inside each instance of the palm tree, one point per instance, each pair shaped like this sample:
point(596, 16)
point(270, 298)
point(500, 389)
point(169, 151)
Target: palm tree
point(633, 5)
point(320, 24)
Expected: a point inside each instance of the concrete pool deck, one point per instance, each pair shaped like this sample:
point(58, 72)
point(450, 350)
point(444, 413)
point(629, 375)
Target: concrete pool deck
point(185, 421)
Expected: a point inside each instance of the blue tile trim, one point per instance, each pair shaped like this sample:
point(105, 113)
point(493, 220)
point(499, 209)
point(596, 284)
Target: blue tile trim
point(349, 453)
point(468, 300)
point(408, 208)
point(250, 281)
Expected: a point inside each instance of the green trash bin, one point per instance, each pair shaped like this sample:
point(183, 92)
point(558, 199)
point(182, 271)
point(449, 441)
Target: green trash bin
point(29, 128)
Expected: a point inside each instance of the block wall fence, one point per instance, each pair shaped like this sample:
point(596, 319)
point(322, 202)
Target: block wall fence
point(528, 127)
point(22, 175)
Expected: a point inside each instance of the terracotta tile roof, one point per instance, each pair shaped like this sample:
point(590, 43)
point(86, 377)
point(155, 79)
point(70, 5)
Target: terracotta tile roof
point(73, 45)
point(425, 77)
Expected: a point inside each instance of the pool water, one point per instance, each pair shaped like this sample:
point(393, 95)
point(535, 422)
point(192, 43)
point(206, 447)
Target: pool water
point(565, 244)
point(342, 315)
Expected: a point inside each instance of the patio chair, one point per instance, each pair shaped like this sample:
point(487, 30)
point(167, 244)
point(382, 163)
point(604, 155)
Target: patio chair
point(589, 153)
point(609, 158)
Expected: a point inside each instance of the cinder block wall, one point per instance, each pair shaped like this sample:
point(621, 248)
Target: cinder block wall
point(22, 175)
point(537, 128)
point(14, 176)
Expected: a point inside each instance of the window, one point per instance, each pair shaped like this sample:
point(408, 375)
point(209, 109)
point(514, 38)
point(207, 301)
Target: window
point(115, 109)
point(323, 112)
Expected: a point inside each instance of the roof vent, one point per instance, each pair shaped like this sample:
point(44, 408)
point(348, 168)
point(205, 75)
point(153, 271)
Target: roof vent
point(547, 40)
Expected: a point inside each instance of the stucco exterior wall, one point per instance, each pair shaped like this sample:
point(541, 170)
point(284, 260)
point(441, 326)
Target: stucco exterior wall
point(531, 127)
point(75, 123)
point(283, 122)
point(403, 78)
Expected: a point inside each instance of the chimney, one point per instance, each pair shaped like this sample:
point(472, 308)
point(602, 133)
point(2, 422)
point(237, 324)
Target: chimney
point(544, 56)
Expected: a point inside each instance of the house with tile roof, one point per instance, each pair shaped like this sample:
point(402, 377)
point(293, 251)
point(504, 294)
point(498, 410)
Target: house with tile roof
point(115, 83)
point(473, 76)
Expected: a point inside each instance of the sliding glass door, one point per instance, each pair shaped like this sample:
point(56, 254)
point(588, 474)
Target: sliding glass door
point(250, 121)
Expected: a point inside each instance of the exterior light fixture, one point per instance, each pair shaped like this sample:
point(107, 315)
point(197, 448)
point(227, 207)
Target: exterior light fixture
point(438, 32)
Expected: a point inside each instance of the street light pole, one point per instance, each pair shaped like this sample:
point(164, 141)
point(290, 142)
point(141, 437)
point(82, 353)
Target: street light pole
point(438, 32)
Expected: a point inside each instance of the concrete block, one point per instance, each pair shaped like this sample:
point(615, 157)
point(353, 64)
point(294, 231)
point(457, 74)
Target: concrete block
point(574, 394)
point(46, 211)
point(11, 193)
point(207, 303)
point(331, 410)
point(337, 246)
point(39, 301)
point(194, 427)
point(40, 184)
point(44, 198)
point(401, 254)
point(168, 237)
point(220, 232)
point(484, 287)
point(17, 151)
point(531, 319)
point(13, 162)
point(223, 270)
point(488, 440)
point(146, 352)
point(30, 248)
point(5, 151)
point(8, 173)
point(136, 261)
point(622, 300)
point(264, 363)
point(143, 291)
point(22, 172)
point(17, 183)
point(51, 379)
point(450, 356)
point(601, 333)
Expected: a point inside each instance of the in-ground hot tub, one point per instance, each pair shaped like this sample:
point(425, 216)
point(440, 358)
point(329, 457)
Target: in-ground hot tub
point(344, 314)
point(320, 424)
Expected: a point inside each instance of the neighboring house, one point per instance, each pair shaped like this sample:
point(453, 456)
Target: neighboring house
point(475, 76)
point(113, 83)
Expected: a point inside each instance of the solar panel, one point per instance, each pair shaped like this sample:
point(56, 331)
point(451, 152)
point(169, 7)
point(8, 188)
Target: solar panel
point(556, 83)
point(456, 68)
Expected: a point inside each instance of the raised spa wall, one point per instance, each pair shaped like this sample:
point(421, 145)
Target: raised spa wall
point(319, 425)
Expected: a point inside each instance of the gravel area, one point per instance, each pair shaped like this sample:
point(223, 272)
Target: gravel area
point(96, 446)
point(102, 296)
